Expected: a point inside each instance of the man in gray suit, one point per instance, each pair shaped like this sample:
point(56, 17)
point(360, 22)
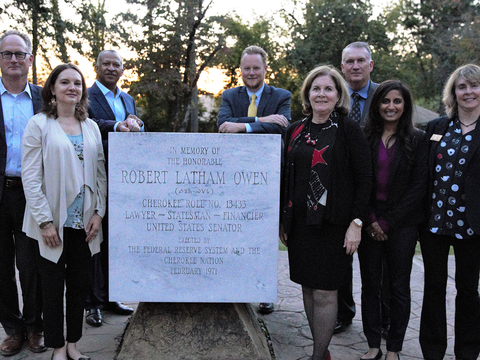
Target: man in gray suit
point(255, 107)
point(357, 64)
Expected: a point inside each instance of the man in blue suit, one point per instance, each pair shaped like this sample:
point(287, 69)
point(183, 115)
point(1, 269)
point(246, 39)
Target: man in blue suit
point(113, 110)
point(272, 105)
point(255, 107)
point(19, 101)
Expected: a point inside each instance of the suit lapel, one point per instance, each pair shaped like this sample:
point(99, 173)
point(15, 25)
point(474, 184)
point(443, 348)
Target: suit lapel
point(266, 94)
point(440, 129)
point(36, 98)
point(102, 101)
point(244, 102)
point(127, 104)
point(394, 166)
point(368, 100)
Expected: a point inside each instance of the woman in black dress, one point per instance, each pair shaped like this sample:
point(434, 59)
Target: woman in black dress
point(399, 158)
point(326, 187)
point(454, 219)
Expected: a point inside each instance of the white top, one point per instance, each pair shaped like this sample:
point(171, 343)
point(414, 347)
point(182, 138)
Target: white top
point(52, 176)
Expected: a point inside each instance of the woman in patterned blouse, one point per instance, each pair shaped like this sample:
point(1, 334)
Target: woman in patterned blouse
point(454, 219)
point(64, 179)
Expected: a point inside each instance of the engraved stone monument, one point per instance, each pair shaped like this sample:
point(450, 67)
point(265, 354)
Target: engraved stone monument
point(193, 218)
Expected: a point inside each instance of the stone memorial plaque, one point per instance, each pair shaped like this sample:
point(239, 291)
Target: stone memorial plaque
point(193, 217)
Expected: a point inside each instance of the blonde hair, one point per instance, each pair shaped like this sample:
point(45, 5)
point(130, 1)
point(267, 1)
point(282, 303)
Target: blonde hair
point(343, 104)
point(469, 72)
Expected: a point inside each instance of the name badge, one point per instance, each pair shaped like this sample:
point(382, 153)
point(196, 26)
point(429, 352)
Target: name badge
point(436, 137)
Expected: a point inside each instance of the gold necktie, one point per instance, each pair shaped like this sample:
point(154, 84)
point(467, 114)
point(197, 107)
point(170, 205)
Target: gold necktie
point(252, 108)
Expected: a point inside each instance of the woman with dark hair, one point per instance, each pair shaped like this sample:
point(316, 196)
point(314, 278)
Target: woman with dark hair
point(453, 219)
point(399, 162)
point(326, 187)
point(64, 179)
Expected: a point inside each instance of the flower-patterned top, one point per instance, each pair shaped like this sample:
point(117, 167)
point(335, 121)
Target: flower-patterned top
point(75, 210)
point(448, 198)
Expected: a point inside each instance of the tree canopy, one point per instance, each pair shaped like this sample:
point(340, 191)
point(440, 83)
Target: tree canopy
point(174, 41)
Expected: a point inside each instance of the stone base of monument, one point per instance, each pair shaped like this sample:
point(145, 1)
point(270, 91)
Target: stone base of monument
point(194, 331)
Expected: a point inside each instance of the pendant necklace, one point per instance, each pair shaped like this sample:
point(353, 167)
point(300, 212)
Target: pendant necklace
point(467, 125)
point(313, 141)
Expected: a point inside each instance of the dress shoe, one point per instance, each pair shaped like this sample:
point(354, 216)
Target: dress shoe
point(94, 317)
point(377, 357)
point(11, 345)
point(265, 308)
point(119, 308)
point(341, 326)
point(35, 342)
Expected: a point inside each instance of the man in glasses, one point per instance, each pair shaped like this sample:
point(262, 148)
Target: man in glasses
point(19, 101)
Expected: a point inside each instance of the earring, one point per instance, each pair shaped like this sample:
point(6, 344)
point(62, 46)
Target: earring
point(53, 102)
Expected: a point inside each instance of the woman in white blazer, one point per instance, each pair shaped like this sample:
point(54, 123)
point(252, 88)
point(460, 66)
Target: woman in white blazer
point(64, 179)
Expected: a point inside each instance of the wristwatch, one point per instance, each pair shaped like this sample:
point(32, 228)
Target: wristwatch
point(46, 225)
point(358, 222)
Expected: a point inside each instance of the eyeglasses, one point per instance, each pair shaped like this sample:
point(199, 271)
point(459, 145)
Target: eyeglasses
point(7, 55)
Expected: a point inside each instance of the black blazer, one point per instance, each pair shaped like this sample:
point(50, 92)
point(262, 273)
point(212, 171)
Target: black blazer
point(235, 104)
point(439, 126)
point(350, 181)
point(37, 106)
point(407, 183)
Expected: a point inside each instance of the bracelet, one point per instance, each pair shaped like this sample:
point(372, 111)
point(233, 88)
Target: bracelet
point(46, 225)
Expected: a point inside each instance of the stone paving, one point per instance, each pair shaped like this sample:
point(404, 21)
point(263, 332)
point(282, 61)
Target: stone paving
point(287, 325)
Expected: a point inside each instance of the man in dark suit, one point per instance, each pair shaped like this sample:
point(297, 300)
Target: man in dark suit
point(255, 107)
point(19, 101)
point(113, 110)
point(272, 105)
point(357, 64)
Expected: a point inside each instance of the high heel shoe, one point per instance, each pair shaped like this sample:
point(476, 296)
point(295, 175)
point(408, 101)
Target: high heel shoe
point(377, 357)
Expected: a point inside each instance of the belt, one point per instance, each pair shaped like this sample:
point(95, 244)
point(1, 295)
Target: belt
point(13, 182)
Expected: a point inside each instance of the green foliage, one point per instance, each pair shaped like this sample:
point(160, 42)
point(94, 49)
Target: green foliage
point(326, 28)
point(92, 31)
point(171, 38)
point(439, 36)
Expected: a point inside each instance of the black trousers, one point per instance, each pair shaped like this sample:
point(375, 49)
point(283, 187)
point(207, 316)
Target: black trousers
point(398, 252)
point(15, 244)
point(346, 303)
point(73, 272)
point(98, 295)
point(433, 324)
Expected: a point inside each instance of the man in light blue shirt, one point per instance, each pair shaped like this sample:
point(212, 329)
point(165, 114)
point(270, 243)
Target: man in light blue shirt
point(107, 104)
point(255, 107)
point(19, 101)
point(357, 64)
point(267, 112)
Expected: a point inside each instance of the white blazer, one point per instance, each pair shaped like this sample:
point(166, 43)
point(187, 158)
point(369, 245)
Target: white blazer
point(52, 176)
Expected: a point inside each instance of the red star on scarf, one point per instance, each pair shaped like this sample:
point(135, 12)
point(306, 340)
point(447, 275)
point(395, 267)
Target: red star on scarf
point(317, 156)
